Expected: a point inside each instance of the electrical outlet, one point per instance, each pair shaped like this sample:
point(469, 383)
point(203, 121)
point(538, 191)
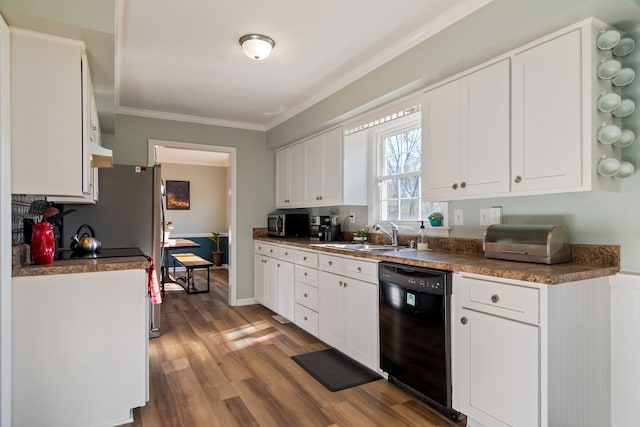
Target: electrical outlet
point(352, 215)
point(485, 216)
point(495, 215)
point(458, 217)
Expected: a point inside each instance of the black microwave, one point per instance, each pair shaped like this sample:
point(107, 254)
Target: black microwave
point(288, 225)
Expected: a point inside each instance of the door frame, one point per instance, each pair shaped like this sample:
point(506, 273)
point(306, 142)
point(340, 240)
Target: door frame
point(232, 211)
point(5, 225)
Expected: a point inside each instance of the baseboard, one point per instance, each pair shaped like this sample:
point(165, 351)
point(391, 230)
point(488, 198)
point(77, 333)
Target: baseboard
point(245, 301)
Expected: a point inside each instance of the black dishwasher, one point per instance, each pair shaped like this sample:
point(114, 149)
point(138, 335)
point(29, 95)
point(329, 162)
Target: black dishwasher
point(415, 332)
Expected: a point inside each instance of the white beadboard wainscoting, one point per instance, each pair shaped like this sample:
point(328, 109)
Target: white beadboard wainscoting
point(625, 349)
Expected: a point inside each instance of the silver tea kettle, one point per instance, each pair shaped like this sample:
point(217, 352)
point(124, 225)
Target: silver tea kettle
point(87, 242)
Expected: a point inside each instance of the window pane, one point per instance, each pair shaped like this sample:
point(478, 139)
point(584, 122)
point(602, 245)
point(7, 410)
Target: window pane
point(392, 211)
point(392, 189)
point(412, 161)
point(409, 187)
point(410, 209)
point(393, 165)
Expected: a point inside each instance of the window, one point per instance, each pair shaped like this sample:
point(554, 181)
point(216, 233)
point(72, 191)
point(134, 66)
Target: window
point(399, 166)
point(399, 174)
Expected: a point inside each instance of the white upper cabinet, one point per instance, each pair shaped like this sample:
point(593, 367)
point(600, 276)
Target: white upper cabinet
point(289, 176)
point(48, 84)
point(322, 171)
point(524, 123)
point(547, 116)
point(466, 135)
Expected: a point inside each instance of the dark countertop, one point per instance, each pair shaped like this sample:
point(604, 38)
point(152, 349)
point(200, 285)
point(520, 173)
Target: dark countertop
point(70, 266)
point(589, 261)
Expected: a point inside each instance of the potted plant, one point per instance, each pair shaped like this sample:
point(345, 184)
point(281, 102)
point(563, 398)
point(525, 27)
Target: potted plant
point(361, 235)
point(217, 254)
point(436, 219)
point(167, 230)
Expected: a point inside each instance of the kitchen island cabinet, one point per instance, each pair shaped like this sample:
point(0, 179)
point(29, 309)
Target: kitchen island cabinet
point(80, 347)
point(531, 355)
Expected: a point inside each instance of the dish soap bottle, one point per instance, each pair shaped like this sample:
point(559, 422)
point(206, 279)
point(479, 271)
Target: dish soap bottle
point(421, 238)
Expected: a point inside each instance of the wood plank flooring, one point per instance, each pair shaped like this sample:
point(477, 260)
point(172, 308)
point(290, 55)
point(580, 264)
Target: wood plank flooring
point(216, 365)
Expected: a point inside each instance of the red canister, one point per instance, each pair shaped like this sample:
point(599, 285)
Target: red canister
point(42, 243)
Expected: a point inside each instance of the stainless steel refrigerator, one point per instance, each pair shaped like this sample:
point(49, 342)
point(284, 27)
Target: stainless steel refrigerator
point(128, 213)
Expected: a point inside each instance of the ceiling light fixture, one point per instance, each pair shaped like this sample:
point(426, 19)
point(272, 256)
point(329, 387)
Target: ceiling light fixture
point(256, 46)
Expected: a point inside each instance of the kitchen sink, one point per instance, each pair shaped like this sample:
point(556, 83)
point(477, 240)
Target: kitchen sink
point(364, 247)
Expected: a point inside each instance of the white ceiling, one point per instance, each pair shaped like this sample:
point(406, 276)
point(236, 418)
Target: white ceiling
point(183, 61)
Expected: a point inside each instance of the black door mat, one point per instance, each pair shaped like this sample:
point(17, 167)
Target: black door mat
point(334, 370)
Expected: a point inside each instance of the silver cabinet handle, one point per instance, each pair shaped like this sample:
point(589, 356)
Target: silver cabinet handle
point(517, 179)
point(330, 262)
point(305, 318)
point(278, 265)
point(344, 284)
point(495, 298)
point(464, 320)
point(305, 295)
point(463, 184)
point(304, 258)
point(340, 283)
point(359, 270)
point(305, 274)
point(455, 186)
point(286, 254)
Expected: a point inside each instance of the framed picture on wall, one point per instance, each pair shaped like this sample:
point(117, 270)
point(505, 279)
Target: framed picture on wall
point(178, 195)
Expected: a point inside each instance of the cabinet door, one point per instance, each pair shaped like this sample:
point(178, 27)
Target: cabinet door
point(484, 153)
point(285, 289)
point(332, 167)
point(283, 192)
point(361, 321)
point(271, 284)
point(46, 116)
point(496, 373)
point(547, 116)
point(441, 135)
point(259, 277)
point(296, 175)
point(332, 309)
point(313, 170)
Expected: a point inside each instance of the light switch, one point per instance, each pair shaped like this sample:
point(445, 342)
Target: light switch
point(485, 215)
point(495, 215)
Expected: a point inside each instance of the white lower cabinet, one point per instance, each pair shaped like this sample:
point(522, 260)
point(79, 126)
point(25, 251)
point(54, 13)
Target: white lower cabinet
point(285, 289)
point(267, 287)
point(348, 311)
point(306, 291)
point(526, 354)
point(80, 348)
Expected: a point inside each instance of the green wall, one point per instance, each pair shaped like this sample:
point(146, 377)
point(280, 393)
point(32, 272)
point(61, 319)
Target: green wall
point(599, 218)
point(255, 172)
point(500, 26)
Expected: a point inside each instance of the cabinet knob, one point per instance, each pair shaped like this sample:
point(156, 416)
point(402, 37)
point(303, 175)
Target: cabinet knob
point(304, 258)
point(340, 283)
point(286, 254)
point(464, 320)
point(495, 298)
point(305, 274)
point(270, 250)
point(359, 270)
point(305, 318)
point(455, 186)
point(463, 184)
point(305, 295)
point(517, 179)
point(344, 284)
point(330, 262)
point(278, 265)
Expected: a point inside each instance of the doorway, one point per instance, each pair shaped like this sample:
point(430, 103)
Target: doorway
point(186, 151)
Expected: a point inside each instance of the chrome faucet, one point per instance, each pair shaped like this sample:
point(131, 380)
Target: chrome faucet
point(393, 235)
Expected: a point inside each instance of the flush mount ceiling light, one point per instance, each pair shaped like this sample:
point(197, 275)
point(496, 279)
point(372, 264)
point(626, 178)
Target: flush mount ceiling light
point(256, 46)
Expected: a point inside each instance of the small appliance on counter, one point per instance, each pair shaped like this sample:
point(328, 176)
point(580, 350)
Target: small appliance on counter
point(288, 224)
point(542, 244)
point(324, 227)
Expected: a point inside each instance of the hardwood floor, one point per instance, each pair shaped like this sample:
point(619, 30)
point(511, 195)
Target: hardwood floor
point(216, 365)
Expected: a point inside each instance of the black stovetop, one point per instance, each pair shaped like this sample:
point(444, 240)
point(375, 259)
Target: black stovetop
point(102, 253)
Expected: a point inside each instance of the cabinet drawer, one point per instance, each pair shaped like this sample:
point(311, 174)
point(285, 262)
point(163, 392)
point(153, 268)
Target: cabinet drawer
point(265, 249)
point(331, 263)
point(307, 319)
point(503, 299)
point(306, 295)
point(306, 274)
point(361, 270)
point(307, 258)
point(287, 253)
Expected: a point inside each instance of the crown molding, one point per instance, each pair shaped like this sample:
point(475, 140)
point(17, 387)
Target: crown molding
point(190, 119)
